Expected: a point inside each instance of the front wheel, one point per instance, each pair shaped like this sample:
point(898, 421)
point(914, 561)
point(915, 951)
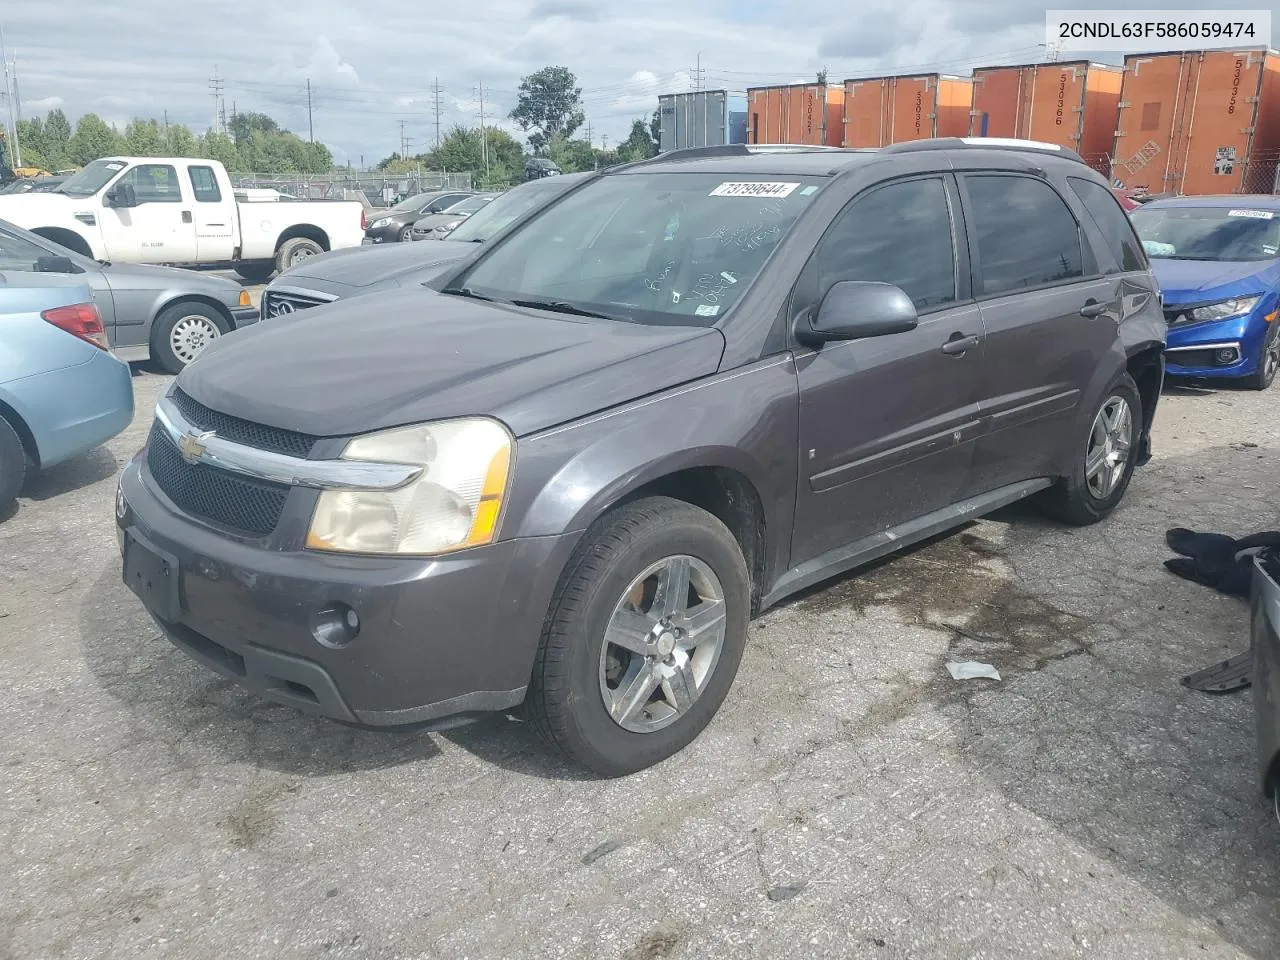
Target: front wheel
point(406, 234)
point(643, 638)
point(13, 465)
point(1268, 363)
point(1103, 463)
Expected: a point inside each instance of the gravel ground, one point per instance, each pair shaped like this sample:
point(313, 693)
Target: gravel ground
point(851, 800)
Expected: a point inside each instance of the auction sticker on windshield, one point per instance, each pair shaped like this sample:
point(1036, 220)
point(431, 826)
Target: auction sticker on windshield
point(1255, 214)
point(755, 189)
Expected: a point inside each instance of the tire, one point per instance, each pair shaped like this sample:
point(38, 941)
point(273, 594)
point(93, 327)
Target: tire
point(293, 252)
point(256, 272)
point(406, 234)
point(1268, 362)
point(575, 669)
point(13, 465)
point(181, 333)
point(1079, 499)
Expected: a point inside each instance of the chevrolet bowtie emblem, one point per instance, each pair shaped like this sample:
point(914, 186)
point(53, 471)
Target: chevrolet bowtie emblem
point(191, 445)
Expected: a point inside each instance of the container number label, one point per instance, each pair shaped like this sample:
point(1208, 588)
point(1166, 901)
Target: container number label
point(754, 189)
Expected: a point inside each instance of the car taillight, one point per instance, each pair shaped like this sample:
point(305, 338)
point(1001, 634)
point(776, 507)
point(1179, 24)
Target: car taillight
point(364, 221)
point(80, 320)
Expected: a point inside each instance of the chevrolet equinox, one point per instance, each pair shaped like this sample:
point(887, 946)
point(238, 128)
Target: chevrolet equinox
point(565, 474)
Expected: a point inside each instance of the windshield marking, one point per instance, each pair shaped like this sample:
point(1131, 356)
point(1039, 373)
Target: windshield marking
point(757, 188)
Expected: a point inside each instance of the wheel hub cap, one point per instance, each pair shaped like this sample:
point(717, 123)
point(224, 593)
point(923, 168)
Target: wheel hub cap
point(662, 644)
point(190, 336)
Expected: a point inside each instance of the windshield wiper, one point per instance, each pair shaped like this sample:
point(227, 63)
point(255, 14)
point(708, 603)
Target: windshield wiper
point(467, 292)
point(561, 306)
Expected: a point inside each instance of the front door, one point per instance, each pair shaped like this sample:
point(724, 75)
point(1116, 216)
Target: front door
point(1049, 317)
point(160, 229)
point(887, 424)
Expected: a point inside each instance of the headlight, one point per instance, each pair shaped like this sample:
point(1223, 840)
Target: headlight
point(454, 503)
point(379, 223)
point(1225, 310)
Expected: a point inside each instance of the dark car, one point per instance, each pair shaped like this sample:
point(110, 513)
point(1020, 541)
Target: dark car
point(34, 185)
point(536, 168)
point(569, 473)
point(358, 271)
point(394, 224)
point(1265, 619)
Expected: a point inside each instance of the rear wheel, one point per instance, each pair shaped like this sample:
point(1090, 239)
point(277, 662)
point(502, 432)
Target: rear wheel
point(13, 465)
point(643, 638)
point(295, 251)
point(182, 332)
point(1103, 464)
point(256, 272)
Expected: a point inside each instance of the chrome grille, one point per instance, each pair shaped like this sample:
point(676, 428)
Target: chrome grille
point(242, 431)
point(277, 303)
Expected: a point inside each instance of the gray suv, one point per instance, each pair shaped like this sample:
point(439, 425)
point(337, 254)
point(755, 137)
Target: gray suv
point(565, 477)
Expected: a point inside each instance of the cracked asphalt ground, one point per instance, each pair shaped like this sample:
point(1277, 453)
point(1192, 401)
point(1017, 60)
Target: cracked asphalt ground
point(851, 800)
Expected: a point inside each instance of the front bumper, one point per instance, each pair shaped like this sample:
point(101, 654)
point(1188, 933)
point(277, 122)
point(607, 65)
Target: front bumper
point(243, 316)
point(437, 638)
point(1265, 639)
point(1193, 349)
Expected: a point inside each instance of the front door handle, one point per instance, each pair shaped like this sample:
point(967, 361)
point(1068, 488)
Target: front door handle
point(959, 344)
point(186, 216)
point(1093, 309)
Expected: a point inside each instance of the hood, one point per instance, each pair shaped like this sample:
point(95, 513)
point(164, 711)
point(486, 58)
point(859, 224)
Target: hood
point(1194, 281)
point(408, 356)
point(34, 209)
point(362, 266)
point(433, 220)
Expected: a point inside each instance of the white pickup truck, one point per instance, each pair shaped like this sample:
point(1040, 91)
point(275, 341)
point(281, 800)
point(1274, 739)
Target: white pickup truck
point(181, 211)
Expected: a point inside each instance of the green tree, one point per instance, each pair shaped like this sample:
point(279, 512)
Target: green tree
point(638, 146)
point(31, 139)
point(92, 140)
point(822, 76)
point(143, 138)
point(217, 146)
point(244, 125)
point(57, 138)
point(549, 104)
point(571, 156)
point(179, 141)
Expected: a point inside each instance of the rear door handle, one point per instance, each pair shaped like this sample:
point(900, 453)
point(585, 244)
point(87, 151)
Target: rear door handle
point(1094, 309)
point(959, 344)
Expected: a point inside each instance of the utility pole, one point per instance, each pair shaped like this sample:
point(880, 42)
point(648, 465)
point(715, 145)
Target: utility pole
point(15, 148)
point(311, 128)
point(697, 73)
point(590, 139)
point(404, 144)
point(219, 113)
point(166, 130)
point(436, 98)
point(484, 137)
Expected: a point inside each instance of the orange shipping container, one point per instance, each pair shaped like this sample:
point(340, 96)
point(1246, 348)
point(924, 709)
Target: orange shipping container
point(1073, 104)
point(884, 110)
point(809, 113)
point(1200, 122)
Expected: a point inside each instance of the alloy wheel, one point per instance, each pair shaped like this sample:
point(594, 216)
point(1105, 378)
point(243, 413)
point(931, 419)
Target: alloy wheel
point(190, 335)
point(1109, 447)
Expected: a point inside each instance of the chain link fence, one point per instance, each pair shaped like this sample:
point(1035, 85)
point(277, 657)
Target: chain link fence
point(372, 189)
point(1255, 175)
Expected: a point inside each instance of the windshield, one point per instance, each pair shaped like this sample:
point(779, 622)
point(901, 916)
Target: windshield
point(659, 248)
point(412, 204)
point(1208, 233)
point(506, 209)
point(92, 178)
point(469, 205)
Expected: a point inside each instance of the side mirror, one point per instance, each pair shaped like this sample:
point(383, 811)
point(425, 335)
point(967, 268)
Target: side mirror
point(853, 309)
point(122, 196)
point(55, 263)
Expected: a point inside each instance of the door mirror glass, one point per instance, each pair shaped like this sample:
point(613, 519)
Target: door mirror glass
point(122, 195)
point(55, 263)
point(853, 309)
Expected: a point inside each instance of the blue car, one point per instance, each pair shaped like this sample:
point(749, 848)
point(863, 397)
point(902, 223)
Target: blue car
point(62, 392)
point(1217, 260)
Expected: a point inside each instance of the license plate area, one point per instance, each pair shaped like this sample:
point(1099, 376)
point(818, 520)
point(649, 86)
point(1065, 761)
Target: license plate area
point(153, 575)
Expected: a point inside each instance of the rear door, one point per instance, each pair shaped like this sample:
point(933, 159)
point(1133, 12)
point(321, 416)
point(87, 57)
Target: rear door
point(887, 424)
point(1050, 315)
point(214, 215)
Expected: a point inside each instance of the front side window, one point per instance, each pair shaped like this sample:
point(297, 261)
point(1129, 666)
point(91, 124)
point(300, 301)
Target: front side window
point(1027, 235)
point(205, 185)
point(1112, 221)
point(661, 248)
point(899, 234)
point(1226, 234)
point(154, 183)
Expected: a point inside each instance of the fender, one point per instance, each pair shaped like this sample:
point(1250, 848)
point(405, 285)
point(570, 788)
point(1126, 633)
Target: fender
point(566, 477)
point(42, 212)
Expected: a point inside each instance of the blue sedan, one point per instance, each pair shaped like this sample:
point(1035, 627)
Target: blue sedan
point(62, 392)
point(1217, 260)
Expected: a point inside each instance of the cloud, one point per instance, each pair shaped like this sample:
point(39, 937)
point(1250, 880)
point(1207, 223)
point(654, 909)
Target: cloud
point(42, 105)
point(568, 9)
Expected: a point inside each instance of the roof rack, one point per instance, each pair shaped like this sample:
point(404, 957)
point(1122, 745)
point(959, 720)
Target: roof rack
point(736, 150)
point(984, 143)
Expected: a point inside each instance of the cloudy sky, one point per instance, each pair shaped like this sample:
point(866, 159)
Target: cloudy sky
point(373, 63)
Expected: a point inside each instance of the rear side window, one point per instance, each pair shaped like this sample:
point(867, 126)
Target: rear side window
point(1027, 236)
point(1112, 221)
point(899, 234)
point(205, 185)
